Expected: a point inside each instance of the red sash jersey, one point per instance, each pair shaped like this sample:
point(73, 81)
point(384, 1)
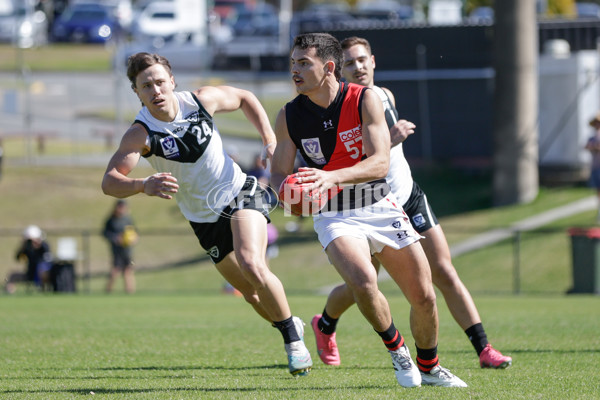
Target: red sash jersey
point(331, 139)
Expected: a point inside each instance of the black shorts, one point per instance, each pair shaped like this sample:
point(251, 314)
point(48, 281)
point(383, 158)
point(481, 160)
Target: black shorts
point(419, 211)
point(122, 259)
point(216, 237)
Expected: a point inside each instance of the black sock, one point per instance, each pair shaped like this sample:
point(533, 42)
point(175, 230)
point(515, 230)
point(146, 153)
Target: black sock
point(392, 339)
point(427, 359)
point(287, 329)
point(327, 324)
point(477, 336)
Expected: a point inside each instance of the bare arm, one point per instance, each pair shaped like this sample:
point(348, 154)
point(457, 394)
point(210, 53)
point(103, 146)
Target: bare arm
point(376, 145)
point(116, 182)
point(402, 129)
point(218, 99)
point(285, 153)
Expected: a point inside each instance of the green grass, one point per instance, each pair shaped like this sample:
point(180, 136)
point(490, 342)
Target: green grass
point(67, 201)
point(213, 346)
point(57, 58)
point(180, 338)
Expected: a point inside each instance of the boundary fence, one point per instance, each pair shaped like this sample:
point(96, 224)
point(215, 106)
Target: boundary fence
point(514, 264)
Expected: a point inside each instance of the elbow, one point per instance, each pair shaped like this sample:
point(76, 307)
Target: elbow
point(106, 186)
point(381, 169)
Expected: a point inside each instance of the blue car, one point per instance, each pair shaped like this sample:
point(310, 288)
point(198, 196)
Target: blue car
point(86, 23)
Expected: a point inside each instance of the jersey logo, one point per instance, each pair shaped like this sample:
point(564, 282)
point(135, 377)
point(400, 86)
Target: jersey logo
point(169, 147)
point(213, 252)
point(312, 148)
point(193, 117)
point(402, 235)
point(327, 125)
point(351, 139)
point(419, 220)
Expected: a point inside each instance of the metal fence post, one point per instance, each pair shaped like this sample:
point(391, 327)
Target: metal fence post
point(517, 262)
point(86, 259)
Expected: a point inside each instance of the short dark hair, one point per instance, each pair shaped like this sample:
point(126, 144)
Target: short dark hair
point(328, 48)
point(140, 61)
point(355, 40)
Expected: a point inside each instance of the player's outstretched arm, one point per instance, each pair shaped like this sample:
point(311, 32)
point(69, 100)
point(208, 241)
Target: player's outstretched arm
point(217, 99)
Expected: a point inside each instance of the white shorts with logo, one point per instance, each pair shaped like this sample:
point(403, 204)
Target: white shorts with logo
point(382, 224)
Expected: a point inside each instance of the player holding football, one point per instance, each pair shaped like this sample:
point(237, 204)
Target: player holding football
point(341, 133)
point(358, 67)
point(227, 210)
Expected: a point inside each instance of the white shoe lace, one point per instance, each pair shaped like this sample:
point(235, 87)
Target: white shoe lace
point(442, 373)
point(401, 359)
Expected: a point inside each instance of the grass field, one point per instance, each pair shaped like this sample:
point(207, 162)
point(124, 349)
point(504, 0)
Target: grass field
point(57, 57)
point(215, 347)
point(178, 337)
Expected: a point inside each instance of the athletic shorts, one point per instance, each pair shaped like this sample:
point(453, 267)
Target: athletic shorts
point(381, 224)
point(419, 211)
point(216, 237)
point(122, 257)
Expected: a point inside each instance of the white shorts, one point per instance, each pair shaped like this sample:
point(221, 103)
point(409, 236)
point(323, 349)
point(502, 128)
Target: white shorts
point(382, 224)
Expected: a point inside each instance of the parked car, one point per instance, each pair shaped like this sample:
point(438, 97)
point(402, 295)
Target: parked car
point(229, 9)
point(187, 56)
point(481, 15)
point(22, 25)
point(588, 10)
point(86, 23)
point(262, 20)
point(383, 10)
point(318, 16)
point(158, 22)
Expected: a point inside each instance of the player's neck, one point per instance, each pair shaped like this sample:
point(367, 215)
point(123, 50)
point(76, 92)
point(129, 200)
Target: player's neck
point(326, 94)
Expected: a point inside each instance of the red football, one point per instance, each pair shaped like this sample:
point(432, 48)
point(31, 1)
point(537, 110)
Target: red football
point(296, 200)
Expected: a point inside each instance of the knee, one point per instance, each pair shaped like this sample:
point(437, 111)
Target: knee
point(254, 269)
point(444, 275)
point(424, 301)
point(364, 289)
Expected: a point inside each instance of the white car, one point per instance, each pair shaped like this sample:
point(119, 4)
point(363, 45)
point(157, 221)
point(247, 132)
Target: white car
point(157, 22)
point(21, 25)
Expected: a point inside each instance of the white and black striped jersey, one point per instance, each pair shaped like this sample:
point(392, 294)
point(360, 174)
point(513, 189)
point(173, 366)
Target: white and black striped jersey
point(190, 148)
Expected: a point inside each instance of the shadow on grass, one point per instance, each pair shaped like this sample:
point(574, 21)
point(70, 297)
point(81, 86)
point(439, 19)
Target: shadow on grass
point(319, 388)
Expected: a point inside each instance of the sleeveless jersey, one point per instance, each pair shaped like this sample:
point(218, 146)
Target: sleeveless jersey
point(331, 139)
point(399, 176)
point(190, 148)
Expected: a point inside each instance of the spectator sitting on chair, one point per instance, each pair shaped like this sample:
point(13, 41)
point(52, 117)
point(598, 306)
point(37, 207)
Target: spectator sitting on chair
point(36, 252)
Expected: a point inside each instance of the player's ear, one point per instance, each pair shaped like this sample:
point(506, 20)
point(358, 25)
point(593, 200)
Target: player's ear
point(329, 67)
point(373, 60)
